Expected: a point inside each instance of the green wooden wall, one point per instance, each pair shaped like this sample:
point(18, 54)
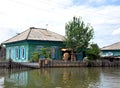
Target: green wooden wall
point(21, 51)
point(14, 51)
point(33, 45)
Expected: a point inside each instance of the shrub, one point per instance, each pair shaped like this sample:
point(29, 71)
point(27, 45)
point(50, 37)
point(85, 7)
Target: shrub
point(35, 57)
point(93, 53)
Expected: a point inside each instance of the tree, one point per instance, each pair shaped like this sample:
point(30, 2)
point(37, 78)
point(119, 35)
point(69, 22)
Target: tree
point(78, 35)
point(45, 52)
point(93, 53)
point(35, 57)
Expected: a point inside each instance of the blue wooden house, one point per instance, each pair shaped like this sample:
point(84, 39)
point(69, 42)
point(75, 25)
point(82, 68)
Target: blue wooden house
point(111, 50)
point(20, 47)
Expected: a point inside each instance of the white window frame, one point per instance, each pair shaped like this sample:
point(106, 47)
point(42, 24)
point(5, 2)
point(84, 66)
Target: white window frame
point(9, 53)
point(23, 52)
point(17, 53)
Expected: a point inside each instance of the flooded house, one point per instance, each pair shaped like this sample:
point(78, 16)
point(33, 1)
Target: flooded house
point(20, 47)
point(2, 52)
point(112, 51)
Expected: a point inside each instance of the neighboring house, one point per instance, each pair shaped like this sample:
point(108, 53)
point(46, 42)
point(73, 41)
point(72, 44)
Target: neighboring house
point(2, 53)
point(20, 47)
point(111, 50)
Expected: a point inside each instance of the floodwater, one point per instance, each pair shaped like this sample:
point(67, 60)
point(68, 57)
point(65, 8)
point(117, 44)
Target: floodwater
point(94, 77)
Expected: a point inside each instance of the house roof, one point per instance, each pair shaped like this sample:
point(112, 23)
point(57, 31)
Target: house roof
point(36, 34)
point(115, 46)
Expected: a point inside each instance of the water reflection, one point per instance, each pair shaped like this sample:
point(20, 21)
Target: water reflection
point(54, 78)
point(18, 79)
point(61, 78)
point(110, 78)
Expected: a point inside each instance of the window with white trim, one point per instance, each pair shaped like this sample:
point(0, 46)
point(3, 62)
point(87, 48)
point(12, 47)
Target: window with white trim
point(23, 52)
point(54, 52)
point(9, 53)
point(17, 52)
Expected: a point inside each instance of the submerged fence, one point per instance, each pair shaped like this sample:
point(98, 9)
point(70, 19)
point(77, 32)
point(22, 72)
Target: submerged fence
point(18, 65)
point(54, 63)
point(100, 63)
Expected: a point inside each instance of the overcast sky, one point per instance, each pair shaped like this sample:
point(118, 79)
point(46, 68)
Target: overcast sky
point(18, 15)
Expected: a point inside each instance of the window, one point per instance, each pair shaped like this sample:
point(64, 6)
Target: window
point(9, 53)
point(38, 48)
point(17, 53)
point(23, 53)
point(53, 52)
point(109, 54)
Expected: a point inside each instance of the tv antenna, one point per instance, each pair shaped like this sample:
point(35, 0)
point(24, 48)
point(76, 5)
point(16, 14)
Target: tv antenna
point(46, 26)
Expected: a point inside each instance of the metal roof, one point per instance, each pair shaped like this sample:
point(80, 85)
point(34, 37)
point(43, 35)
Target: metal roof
point(36, 34)
point(115, 46)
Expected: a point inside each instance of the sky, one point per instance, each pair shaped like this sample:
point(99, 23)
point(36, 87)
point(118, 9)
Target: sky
point(19, 15)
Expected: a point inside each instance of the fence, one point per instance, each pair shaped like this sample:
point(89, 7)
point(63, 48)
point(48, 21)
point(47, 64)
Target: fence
point(18, 65)
point(99, 63)
point(54, 63)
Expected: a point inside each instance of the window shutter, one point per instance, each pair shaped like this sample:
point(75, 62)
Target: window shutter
point(24, 53)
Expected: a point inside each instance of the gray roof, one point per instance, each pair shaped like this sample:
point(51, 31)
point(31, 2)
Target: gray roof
point(36, 34)
point(115, 46)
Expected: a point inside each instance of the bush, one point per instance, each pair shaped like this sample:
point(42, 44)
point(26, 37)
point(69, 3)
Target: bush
point(46, 52)
point(35, 57)
point(93, 53)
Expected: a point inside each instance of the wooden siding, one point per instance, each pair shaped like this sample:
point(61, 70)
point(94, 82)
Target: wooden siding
point(110, 52)
point(14, 51)
point(29, 48)
point(48, 44)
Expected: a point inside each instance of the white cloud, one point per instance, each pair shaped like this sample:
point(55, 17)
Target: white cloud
point(5, 33)
point(97, 1)
point(114, 0)
point(116, 32)
point(19, 15)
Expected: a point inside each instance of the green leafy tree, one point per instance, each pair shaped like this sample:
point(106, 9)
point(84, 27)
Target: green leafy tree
point(93, 53)
point(46, 52)
point(78, 35)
